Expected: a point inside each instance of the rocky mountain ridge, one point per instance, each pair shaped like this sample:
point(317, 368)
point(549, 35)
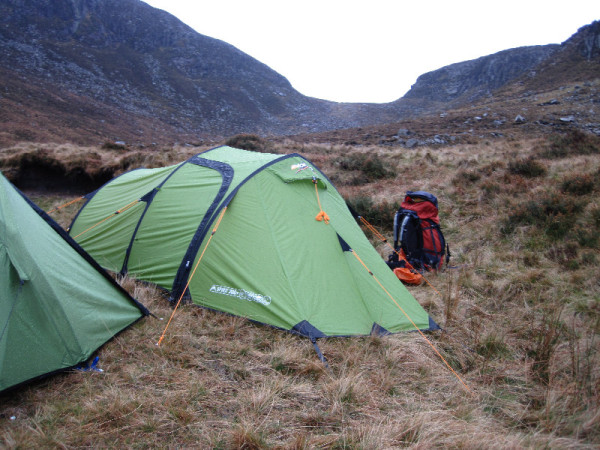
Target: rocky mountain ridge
point(90, 70)
point(478, 78)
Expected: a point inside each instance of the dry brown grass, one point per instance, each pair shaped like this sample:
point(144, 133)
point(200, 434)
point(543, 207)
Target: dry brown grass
point(521, 326)
point(74, 169)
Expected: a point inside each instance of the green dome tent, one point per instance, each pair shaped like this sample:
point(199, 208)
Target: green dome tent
point(57, 306)
point(270, 259)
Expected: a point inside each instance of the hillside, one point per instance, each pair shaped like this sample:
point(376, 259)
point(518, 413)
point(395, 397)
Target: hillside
point(126, 59)
point(88, 71)
point(562, 94)
point(471, 80)
point(519, 309)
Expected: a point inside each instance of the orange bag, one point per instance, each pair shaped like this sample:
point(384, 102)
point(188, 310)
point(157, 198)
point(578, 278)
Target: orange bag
point(408, 276)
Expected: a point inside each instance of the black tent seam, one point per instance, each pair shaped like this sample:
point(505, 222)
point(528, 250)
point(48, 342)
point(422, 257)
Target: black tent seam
point(227, 174)
point(148, 203)
point(137, 226)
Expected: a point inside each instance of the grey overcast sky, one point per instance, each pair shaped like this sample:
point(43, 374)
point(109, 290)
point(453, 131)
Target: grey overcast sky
point(374, 50)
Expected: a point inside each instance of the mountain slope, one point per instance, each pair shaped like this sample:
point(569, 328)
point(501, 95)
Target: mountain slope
point(469, 80)
point(576, 61)
point(143, 61)
point(92, 70)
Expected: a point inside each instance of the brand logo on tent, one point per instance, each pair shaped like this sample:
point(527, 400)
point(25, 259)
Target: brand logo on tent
point(300, 167)
point(242, 294)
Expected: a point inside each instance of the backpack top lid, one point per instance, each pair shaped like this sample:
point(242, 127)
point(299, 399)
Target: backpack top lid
point(423, 203)
point(422, 195)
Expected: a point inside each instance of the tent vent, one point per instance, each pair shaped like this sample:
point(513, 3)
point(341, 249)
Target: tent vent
point(432, 325)
point(306, 329)
point(149, 196)
point(378, 330)
point(344, 244)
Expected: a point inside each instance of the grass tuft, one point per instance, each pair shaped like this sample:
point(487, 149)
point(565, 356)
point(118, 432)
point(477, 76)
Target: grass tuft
point(529, 168)
point(250, 142)
point(573, 143)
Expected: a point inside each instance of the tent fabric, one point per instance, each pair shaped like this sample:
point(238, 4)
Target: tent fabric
point(57, 306)
point(270, 261)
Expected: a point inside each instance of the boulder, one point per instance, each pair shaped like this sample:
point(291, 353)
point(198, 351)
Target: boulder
point(410, 143)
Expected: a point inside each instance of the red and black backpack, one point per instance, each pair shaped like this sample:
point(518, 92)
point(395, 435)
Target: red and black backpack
point(418, 234)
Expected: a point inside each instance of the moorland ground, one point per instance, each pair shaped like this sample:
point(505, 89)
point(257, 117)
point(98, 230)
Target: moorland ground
point(519, 308)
